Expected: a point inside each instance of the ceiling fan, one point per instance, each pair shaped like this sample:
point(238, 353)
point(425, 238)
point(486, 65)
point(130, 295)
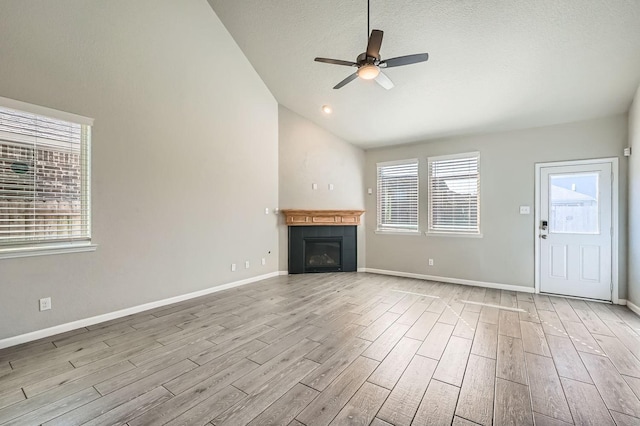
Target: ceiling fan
point(369, 63)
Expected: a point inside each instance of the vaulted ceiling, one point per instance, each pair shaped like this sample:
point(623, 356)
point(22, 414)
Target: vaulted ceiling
point(494, 64)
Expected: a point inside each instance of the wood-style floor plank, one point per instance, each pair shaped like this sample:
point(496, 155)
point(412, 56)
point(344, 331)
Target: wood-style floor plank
point(332, 367)
point(123, 395)
point(59, 407)
point(186, 399)
point(615, 392)
point(485, 341)
point(510, 360)
point(436, 342)
point(11, 397)
point(362, 407)
point(454, 361)
point(379, 349)
point(512, 404)
point(262, 397)
point(329, 403)
point(476, 394)
point(129, 410)
point(390, 370)
point(209, 408)
point(586, 404)
point(622, 358)
point(284, 410)
point(438, 405)
point(624, 420)
point(509, 324)
point(422, 326)
point(404, 400)
point(547, 396)
point(533, 339)
point(567, 360)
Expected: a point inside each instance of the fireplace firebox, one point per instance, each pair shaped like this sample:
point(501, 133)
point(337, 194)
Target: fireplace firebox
point(322, 249)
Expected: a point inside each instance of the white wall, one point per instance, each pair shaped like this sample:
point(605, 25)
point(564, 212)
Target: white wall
point(634, 202)
point(505, 254)
point(185, 152)
point(310, 154)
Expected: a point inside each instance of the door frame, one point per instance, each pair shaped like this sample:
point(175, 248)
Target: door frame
point(614, 217)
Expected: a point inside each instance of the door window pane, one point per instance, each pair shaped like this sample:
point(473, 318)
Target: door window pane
point(573, 203)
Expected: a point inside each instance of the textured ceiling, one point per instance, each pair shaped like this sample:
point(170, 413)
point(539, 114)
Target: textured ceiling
point(494, 64)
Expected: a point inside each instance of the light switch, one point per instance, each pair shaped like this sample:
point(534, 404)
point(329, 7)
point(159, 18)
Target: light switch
point(525, 210)
point(369, 191)
point(330, 187)
point(314, 186)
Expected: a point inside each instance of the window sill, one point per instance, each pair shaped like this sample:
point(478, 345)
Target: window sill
point(410, 233)
point(44, 250)
point(452, 234)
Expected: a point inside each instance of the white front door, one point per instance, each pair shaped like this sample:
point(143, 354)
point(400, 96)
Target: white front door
point(575, 230)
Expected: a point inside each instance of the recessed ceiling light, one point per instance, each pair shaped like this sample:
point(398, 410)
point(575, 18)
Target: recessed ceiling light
point(327, 109)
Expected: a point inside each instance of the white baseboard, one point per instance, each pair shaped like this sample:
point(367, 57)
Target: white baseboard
point(451, 280)
point(635, 308)
point(62, 328)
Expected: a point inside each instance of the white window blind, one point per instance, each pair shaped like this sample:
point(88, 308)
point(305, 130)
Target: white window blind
point(454, 193)
point(44, 179)
point(398, 196)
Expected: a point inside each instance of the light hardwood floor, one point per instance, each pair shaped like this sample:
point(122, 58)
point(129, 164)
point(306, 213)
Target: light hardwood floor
point(339, 349)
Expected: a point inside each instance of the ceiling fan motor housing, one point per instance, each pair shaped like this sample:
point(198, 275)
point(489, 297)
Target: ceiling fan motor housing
point(364, 59)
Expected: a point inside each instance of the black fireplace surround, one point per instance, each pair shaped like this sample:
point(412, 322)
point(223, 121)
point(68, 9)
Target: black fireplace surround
point(322, 249)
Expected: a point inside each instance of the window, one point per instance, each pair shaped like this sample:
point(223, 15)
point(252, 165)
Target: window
point(454, 194)
point(398, 196)
point(44, 180)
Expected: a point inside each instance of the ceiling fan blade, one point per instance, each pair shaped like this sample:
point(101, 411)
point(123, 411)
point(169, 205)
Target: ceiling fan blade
point(375, 41)
point(346, 80)
point(384, 81)
point(336, 62)
point(404, 60)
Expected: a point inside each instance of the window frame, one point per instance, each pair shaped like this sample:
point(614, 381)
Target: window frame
point(44, 247)
point(381, 229)
point(475, 233)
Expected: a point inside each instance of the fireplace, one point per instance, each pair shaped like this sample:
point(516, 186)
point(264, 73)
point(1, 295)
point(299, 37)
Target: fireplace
point(322, 240)
point(322, 249)
point(322, 254)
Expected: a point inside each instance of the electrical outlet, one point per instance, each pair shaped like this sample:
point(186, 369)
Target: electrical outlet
point(330, 187)
point(266, 210)
point(246, 264)
point(430, 262)
point(264, 261)
point(45, 304)
point(233, 267)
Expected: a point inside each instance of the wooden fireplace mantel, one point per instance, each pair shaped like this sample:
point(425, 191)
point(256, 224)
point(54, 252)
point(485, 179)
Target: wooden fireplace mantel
point(322, 217)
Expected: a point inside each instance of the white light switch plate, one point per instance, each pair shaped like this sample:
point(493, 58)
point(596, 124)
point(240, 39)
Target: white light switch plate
point(525, 210)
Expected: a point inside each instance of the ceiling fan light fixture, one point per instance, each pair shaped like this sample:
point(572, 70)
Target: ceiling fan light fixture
point(368, 72)
point(327, 109)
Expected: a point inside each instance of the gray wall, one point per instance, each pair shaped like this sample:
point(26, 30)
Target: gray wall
point(185, 152)
point(308, 155)
point(505, 253)
point(634, 202)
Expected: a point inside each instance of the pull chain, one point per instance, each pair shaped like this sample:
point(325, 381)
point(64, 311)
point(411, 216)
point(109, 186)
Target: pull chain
point(368, 18)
